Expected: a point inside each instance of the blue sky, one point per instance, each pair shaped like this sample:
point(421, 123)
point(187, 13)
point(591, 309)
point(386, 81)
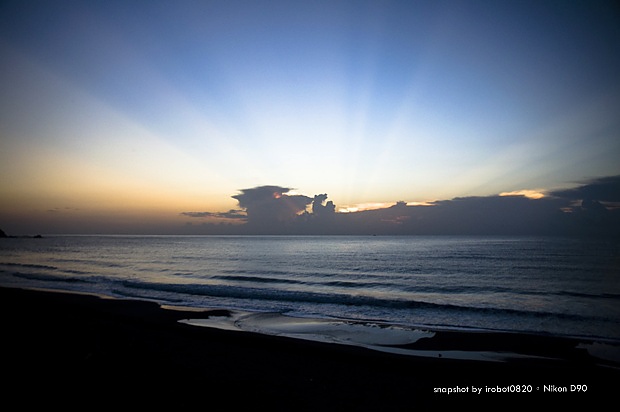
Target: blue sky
point(115, 112)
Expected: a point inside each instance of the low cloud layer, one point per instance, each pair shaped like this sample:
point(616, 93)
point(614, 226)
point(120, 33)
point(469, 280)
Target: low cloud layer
point(605, 189)
point(231, 214)
point(589, 209)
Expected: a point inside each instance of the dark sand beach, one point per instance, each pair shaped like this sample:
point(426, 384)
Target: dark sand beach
point(78, 351)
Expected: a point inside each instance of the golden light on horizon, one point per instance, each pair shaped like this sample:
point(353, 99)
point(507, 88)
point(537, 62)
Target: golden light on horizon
point(364, 206)
point(530, 194)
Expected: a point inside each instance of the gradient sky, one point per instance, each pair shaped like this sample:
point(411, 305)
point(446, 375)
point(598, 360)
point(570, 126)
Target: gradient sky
point(121, 115)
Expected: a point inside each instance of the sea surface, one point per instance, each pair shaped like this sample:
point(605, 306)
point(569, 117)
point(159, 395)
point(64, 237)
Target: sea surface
point(546, 285)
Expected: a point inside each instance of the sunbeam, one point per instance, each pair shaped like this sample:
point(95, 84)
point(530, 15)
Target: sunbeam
point(176, 107)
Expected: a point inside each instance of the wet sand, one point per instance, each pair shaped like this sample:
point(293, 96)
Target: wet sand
point(79, 351)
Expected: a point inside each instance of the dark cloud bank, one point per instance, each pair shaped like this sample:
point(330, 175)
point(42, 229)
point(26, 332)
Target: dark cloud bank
point(592, 208)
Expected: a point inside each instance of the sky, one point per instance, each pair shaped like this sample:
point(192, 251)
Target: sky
point(165, 116)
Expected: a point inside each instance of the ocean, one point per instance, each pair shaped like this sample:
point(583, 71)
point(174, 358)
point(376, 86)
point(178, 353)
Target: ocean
point(542, 285)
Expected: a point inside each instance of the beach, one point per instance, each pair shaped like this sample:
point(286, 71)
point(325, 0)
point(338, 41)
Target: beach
point(75, 350)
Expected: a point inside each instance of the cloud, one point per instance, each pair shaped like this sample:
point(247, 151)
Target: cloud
point(231, 214)
point(604, 189)
point(273, 210)
point(269, 205)
point(320, 209)
point(493, 215)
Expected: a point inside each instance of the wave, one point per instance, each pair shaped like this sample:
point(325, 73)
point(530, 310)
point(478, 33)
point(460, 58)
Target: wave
point(335, 283)
point(587, 295)
point(92, 262)
point(46, 268)
point(460, 289)
point(28, 265)
point(50, 278)
point(349, 272)
point(236, 292)
point(257, 279)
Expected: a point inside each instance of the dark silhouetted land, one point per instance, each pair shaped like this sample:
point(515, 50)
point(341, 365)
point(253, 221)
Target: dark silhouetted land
point(79, 352)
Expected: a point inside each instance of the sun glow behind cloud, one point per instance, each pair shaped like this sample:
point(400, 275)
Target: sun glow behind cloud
point(530, 194)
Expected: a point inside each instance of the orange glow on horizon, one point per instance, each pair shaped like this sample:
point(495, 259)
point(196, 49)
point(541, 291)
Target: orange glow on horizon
point(530, 194)
point(377, 205)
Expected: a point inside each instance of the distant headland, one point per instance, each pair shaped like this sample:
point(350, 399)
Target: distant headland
point(4, 235)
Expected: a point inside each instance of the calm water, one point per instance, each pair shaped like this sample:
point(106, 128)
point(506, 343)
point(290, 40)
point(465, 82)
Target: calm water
point(549, 285)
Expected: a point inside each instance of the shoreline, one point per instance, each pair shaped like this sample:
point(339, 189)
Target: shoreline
point(77, 348)
point(466, 344)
